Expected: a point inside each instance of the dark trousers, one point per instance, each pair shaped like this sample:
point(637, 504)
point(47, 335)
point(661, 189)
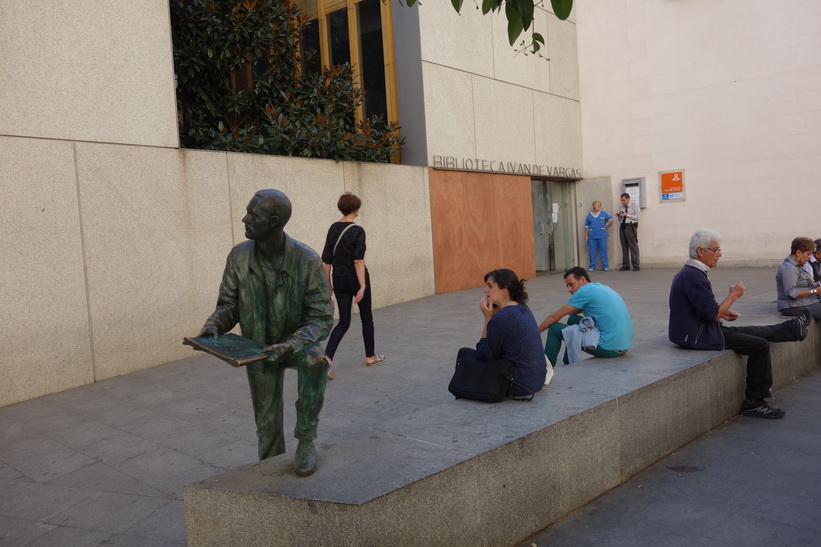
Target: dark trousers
point(754, 342)
point(815, 310)
point(345, 289)
point(629, 238)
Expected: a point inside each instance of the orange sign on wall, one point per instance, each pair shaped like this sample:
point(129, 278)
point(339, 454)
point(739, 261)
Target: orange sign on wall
point(672, 185)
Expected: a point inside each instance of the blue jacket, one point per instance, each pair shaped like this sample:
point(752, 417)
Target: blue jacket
point(693, 311)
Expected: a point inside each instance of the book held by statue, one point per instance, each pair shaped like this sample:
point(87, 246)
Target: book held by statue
point(235, 350)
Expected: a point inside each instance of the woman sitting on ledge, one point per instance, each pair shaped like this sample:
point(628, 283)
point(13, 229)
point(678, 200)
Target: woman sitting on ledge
point(795, 286)
point(511, 331)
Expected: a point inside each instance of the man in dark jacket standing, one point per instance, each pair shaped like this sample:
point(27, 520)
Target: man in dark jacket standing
point(275, 288)
point(695, 323)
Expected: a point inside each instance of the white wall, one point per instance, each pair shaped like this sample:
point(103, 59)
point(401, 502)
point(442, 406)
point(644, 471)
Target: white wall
point(727, 90)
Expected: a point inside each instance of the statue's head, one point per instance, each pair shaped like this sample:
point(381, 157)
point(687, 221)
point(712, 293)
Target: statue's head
point(267, 212)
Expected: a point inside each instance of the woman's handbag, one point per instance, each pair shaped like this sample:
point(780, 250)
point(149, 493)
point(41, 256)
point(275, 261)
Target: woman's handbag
point(482, 380)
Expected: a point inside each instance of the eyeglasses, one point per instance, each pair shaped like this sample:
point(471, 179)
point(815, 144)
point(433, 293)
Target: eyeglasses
point(713, 249)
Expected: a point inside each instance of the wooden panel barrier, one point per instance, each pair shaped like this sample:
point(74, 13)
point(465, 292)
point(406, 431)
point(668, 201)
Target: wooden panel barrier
point(479, 222)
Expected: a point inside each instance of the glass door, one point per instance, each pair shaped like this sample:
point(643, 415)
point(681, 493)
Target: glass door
point(553, 221)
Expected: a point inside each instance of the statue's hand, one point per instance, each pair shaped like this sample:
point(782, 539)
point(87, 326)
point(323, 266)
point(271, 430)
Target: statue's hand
point(209, 331)
point(277, 351)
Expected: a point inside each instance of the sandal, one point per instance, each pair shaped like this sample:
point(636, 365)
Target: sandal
point(374, 360)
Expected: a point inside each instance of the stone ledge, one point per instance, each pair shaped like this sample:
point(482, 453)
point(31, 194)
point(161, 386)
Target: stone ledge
point(467, 473)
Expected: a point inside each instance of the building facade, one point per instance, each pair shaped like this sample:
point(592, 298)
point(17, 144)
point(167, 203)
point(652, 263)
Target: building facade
point(115, 238)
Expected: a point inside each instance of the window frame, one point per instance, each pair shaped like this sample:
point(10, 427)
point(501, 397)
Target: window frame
point(356, 45)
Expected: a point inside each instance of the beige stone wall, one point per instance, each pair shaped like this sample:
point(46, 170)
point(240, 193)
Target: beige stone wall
point(726, 90)
point(113, 253)
point(88, 70)
point(44, 328)
point(156, 225)
point(484, 100)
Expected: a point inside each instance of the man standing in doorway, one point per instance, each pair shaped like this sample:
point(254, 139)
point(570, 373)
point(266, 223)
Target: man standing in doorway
point(628, 233)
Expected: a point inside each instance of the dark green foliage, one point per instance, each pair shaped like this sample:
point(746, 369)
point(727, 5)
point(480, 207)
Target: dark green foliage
point(519, 14)
point(562, 8)
point(239, 87)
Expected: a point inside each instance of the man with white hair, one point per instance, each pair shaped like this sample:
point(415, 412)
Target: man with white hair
point(695, 323)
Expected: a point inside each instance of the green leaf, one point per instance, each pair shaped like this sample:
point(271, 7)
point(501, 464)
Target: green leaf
point(514, 22)
point(525, 8)
point(562, 8)
point(457, 5)
point(488, 5)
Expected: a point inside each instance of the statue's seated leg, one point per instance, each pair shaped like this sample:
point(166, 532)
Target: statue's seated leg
point(312, 368)
point(265, 380)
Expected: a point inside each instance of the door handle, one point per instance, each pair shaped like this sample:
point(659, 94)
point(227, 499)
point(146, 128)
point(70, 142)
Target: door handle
point(541, 228)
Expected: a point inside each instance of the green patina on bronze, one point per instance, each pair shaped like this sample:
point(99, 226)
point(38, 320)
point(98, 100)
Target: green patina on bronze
point(233, 349)
point(274, 287)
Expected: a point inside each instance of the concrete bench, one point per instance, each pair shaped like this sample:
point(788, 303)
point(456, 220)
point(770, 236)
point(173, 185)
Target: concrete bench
point(467, 473)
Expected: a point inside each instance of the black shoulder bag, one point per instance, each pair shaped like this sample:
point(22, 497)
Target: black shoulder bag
point(481, 380)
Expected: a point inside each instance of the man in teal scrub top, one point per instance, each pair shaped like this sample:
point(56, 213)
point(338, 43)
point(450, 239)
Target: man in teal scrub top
point(591, 300)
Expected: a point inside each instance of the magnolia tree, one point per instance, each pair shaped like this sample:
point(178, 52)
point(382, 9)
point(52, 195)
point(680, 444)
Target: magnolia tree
point(240, 87)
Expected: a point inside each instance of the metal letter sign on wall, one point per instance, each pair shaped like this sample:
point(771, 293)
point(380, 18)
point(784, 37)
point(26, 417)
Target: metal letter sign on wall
point(507, 167)
point(672, 185)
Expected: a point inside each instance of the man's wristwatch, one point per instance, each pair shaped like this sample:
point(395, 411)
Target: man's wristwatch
point(813, 291)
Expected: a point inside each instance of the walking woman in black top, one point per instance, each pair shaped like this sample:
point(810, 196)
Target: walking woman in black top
point(344, 259)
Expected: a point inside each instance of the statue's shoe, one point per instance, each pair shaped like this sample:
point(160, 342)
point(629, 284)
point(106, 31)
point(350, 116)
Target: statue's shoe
point(305, 459)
